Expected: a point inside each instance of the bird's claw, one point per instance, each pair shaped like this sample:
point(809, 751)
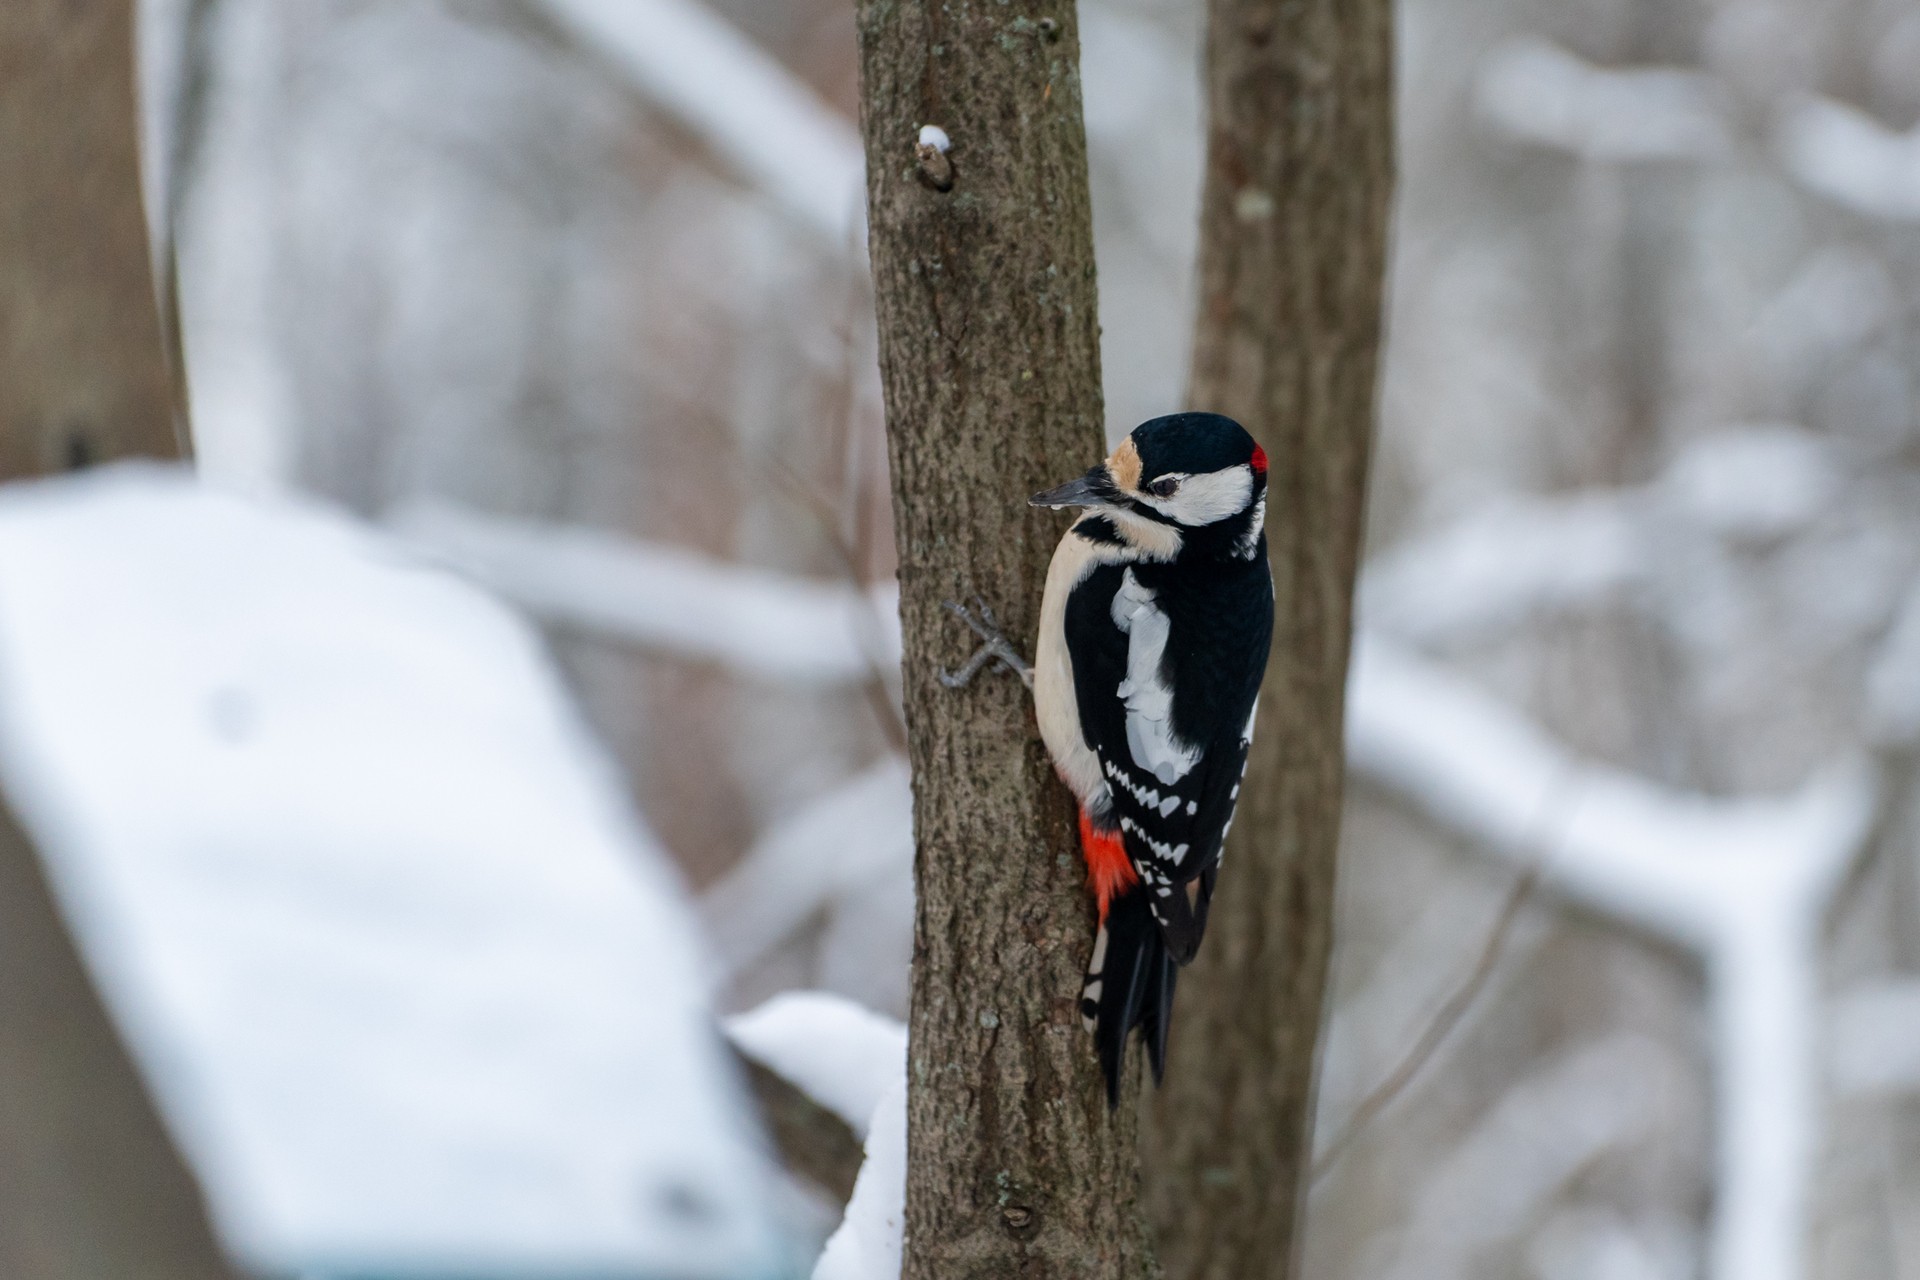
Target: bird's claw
point(994, 646)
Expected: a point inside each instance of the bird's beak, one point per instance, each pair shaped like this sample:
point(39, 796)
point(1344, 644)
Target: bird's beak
point(1094, 489)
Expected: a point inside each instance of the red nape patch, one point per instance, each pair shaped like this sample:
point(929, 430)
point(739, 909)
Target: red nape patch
point(1109, 871)
point(1259, 461)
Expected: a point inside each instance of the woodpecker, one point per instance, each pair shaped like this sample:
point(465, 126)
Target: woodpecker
point(1154, 630)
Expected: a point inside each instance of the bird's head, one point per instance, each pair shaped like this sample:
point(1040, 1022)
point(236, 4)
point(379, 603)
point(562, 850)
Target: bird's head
point(1186, 473)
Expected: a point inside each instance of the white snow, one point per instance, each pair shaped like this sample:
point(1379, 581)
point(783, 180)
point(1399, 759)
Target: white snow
point(853, 844)
point(755, 114)
point(1842, 153)
point(1507, 560)
point(1756, 482)
point(410, 982)
point(932, 135)
point(1496, 566)
point(1745, 883)
point(1893, 683)
point(841, 1055)
point(868, 1244)
point(1536, 91)
point(1540, 1136)
point(853, 1062)
point(757, 622)
point(1874, 1039)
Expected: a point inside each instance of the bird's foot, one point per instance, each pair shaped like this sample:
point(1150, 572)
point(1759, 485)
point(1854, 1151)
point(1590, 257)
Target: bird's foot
point(994, 646)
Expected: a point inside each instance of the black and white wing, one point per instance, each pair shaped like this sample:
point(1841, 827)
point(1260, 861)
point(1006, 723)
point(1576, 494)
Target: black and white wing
point(1166, 701)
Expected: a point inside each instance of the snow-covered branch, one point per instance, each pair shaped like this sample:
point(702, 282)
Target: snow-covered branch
point(1535, 91)
point(1686, 866)
point(755, 114)
point(855, 1063)
point(1524, 556)
point(1504, 562)
point(856, 836)
point(1745, 883)
point(1844, 154)
point(758, 622)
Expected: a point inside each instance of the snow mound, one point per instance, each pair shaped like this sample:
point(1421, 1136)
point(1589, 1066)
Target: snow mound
point(411, 984)
point(869, 1241)
point(842, 1056)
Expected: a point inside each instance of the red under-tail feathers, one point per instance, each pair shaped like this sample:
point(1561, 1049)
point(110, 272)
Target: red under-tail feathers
point(1110, 872)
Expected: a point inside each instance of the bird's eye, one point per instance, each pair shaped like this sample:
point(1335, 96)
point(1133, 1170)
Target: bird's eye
point(1163, 487)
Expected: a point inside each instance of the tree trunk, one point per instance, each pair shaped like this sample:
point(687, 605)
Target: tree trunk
point(989, 353)
point(1292, 260)
point(90, 1184)
point(83, 369)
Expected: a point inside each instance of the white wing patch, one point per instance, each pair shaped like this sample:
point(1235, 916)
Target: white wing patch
point(1150, 737)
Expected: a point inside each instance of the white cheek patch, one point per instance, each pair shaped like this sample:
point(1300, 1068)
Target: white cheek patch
point(1150, 737)
point(1207, 499)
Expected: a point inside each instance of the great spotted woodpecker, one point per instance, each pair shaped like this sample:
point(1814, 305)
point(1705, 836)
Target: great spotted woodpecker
point(1153, 639)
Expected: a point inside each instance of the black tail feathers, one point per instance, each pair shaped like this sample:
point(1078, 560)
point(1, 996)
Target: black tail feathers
point(1129, 984)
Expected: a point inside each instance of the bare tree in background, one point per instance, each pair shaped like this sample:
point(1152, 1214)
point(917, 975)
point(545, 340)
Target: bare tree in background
point(984, 279)
point(90, 1184)
point(1292, 264)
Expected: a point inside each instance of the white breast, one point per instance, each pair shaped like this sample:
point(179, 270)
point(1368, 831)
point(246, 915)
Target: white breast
point(1054, 700)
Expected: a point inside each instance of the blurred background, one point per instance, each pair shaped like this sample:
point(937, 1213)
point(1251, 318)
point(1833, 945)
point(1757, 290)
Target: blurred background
point(572, 293)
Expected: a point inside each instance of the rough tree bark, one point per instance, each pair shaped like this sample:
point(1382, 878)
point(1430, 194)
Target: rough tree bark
point(83, 369)
point(1292, 260)
point(90, 1184)
point(989, 353)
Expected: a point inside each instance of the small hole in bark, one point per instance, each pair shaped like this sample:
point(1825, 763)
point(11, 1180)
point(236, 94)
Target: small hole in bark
point(1018, 1217)
point(1049, 29)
